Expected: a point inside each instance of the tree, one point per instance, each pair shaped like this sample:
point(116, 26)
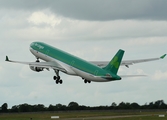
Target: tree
point(41, 107)
point(15, 108)
point(73, 105)
point(113, 105)
point(135, 106)
point(159, 104)
point(4, 107)
point(123, 105)
point(151, 105)
point(51, 108)
point(24, 108)
point(59, 106)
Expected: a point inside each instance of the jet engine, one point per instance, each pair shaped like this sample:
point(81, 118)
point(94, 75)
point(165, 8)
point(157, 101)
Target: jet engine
point(37, 69)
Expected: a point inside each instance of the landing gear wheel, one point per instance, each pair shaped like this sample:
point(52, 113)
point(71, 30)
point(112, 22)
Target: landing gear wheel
point(54, 77)
point(87, 81)
point(57, 81)
point(60, 81)
point(37, 60)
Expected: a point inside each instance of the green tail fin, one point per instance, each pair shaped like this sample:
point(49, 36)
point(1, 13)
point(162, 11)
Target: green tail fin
point(114, 64)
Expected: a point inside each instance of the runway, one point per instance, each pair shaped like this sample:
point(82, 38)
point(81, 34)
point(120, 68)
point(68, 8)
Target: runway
point(106, 117)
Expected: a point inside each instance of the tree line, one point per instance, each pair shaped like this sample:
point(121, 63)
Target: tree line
point(159, 104)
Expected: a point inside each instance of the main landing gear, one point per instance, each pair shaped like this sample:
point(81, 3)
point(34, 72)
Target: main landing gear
point(86, 81)
point(57, 78)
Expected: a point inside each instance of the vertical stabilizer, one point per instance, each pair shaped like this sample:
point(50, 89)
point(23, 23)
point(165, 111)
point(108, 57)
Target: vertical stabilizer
point(114, 64)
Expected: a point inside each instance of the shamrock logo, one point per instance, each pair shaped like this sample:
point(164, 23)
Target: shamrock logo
point(115, 62)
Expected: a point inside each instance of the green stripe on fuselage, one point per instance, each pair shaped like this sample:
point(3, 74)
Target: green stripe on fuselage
point(69, 59)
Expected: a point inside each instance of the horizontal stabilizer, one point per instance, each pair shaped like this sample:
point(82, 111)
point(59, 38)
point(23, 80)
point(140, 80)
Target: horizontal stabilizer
point(133, 76)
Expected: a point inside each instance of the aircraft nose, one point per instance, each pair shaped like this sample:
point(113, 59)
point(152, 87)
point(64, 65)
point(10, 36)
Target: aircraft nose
point(32, 44)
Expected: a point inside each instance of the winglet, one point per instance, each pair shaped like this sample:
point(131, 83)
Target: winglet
point(7, 59)
point(162, 57)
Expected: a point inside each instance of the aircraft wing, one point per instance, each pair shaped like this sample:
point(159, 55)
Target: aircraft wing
point(53, 64)
point(127, 62)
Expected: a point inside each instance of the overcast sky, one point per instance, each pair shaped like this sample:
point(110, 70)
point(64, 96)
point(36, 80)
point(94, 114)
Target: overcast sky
point(92, 30)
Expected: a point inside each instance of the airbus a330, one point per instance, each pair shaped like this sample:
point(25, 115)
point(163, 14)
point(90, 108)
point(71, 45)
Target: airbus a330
point(96, 71)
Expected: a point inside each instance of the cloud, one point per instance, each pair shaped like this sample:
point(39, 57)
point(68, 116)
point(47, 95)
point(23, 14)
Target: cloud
point(1, 69)
point(147, 41)
point(45, 24)
point(159, 75)
point(39, 18)
point(96, 10)
point(60, 28)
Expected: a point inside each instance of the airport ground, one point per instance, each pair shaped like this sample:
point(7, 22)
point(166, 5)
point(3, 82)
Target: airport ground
point(89, 115)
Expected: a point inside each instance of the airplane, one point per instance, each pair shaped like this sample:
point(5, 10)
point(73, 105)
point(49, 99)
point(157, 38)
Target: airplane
point(96, 71)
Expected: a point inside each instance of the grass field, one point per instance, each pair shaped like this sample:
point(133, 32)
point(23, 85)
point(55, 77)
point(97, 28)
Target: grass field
point(86, 115)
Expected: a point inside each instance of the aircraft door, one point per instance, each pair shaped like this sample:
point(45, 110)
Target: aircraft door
point(96, 72)
point(47, 53)
point(72, 63)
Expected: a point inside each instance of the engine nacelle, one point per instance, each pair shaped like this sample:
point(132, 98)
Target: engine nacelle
point(37, 69)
